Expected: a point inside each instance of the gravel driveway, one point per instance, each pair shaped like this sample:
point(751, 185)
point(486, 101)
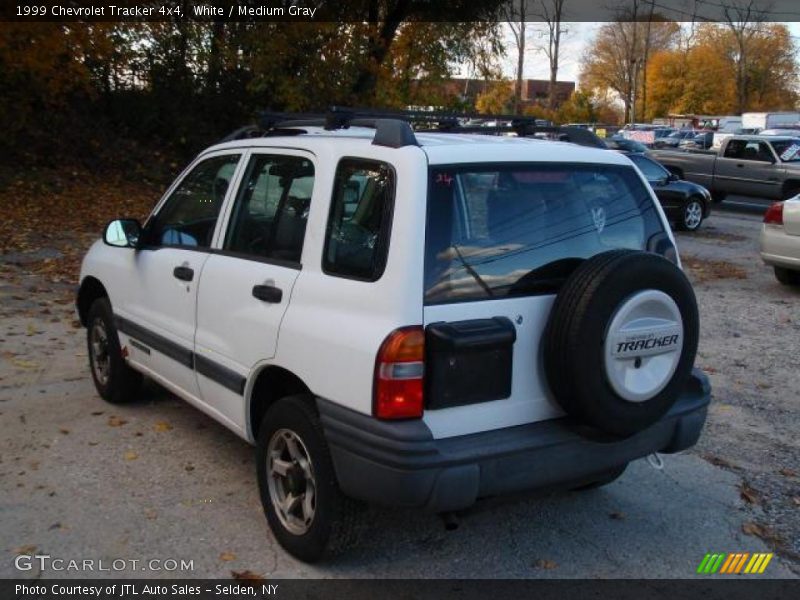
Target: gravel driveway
point(158, 480)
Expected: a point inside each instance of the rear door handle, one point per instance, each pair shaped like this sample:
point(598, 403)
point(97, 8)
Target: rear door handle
point(183, 273)
point(740, 165)
point(268, 293)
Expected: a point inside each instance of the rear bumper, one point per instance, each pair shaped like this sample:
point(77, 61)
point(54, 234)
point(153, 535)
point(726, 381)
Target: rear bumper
point(400, 464)
point(778, 248)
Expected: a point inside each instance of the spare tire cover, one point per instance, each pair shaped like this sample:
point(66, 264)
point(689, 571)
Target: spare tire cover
point(621, 340)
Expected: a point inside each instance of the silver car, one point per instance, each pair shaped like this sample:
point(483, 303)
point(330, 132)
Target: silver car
point(780, 240)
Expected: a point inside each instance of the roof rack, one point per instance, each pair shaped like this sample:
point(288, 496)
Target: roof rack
point(395, 129)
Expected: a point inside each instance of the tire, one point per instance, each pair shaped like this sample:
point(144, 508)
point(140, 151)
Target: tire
point(332, 527)
point(606, 478)
point(589, 359)
point(114, 380)
point(787, 276)
point(691, 215)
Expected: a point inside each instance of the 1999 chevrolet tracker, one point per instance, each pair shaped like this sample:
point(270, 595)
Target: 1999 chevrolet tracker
point(404, 318)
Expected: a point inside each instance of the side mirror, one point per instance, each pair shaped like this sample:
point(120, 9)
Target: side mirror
point(673, 177)
point(122, 233)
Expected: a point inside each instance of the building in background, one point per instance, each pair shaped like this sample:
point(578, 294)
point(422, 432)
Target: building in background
point(534, 91)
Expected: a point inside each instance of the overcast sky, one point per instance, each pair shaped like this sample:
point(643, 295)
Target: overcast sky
point(573, 45)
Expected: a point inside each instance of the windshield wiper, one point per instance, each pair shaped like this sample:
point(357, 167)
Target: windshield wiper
point(473, 272)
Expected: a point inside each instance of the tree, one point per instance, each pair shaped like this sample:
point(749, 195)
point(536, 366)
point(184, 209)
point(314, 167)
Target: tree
point(702, 78)
point(614, 59)
point(744, 19)
point(516, 13)
point(552, 13)
point(579, 108)
point(497, 99)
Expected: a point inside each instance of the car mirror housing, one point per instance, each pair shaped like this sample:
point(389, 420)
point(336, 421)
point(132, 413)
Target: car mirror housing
point(122, 233)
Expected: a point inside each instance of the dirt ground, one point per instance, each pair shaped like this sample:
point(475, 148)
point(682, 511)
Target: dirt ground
point(749, 345)
point(158, 479)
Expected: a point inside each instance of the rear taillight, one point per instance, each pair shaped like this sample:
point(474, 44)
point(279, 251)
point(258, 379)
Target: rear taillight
point(399, 370)
point(774, 214)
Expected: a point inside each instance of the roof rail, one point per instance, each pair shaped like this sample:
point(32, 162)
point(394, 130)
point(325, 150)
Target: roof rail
point(395, 128)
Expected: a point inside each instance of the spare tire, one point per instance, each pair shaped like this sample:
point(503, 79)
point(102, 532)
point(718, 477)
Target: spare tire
point(621, 340)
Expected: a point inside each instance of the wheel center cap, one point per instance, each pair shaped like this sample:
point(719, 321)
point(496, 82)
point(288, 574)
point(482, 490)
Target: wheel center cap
point(643, 345)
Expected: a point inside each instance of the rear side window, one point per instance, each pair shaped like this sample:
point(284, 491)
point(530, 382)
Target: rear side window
point(514, 230)
point(357, 236)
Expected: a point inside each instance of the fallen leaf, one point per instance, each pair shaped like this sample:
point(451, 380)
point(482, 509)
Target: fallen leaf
point(227, 556)
point(543, 563)
point(765, 533)
point(114, 421)
point(130, 455)
point(161, 426)
point(796, 500)
point(787, 473)
point(748, 494)
point(25, 550)
point(247, 575)
point(751, 528)
point(617, 516)
point(97, 413)
point(64, 430)
point(718, 462)
point(24, 364)
point(150, 513)
point(189, 467)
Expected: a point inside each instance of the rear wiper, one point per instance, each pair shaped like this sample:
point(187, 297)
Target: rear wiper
point(473, 272)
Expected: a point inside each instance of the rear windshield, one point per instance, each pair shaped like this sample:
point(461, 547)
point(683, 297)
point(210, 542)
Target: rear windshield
point(495, 231)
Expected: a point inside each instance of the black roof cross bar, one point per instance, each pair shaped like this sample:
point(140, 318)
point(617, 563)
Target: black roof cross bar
point(395, 129)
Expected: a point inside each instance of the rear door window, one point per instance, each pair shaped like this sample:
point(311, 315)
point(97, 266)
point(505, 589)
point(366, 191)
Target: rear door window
point(271, 210)
point(521, 229)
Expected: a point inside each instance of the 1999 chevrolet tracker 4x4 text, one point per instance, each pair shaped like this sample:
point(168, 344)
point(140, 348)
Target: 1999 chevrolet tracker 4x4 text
point(414, 319)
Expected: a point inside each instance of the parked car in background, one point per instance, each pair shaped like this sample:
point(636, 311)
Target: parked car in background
point(780, 240)
point(720, 137)
point(622, 144)
point(772, 120)
point(793, 132)
point(700, 141)
point(686, 204)
point(673, 139)
point(660, 134)
point(760, 166)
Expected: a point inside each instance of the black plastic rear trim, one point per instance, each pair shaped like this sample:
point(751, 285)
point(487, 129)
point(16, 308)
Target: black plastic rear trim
point(221, 375)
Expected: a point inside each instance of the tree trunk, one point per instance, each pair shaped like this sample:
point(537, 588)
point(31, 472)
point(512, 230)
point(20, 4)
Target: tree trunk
point(520, 65)
point(363, 89)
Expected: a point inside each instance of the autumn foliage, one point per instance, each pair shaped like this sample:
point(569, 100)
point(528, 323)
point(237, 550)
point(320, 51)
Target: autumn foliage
point(709, 68)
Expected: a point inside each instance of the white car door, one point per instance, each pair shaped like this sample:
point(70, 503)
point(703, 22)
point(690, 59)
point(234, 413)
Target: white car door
point(156, 315)
point(247, 282)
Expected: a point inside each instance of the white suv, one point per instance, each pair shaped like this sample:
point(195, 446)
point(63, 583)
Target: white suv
point(407, 319)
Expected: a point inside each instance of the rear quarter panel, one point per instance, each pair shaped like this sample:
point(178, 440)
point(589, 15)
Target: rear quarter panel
point(334, 326)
